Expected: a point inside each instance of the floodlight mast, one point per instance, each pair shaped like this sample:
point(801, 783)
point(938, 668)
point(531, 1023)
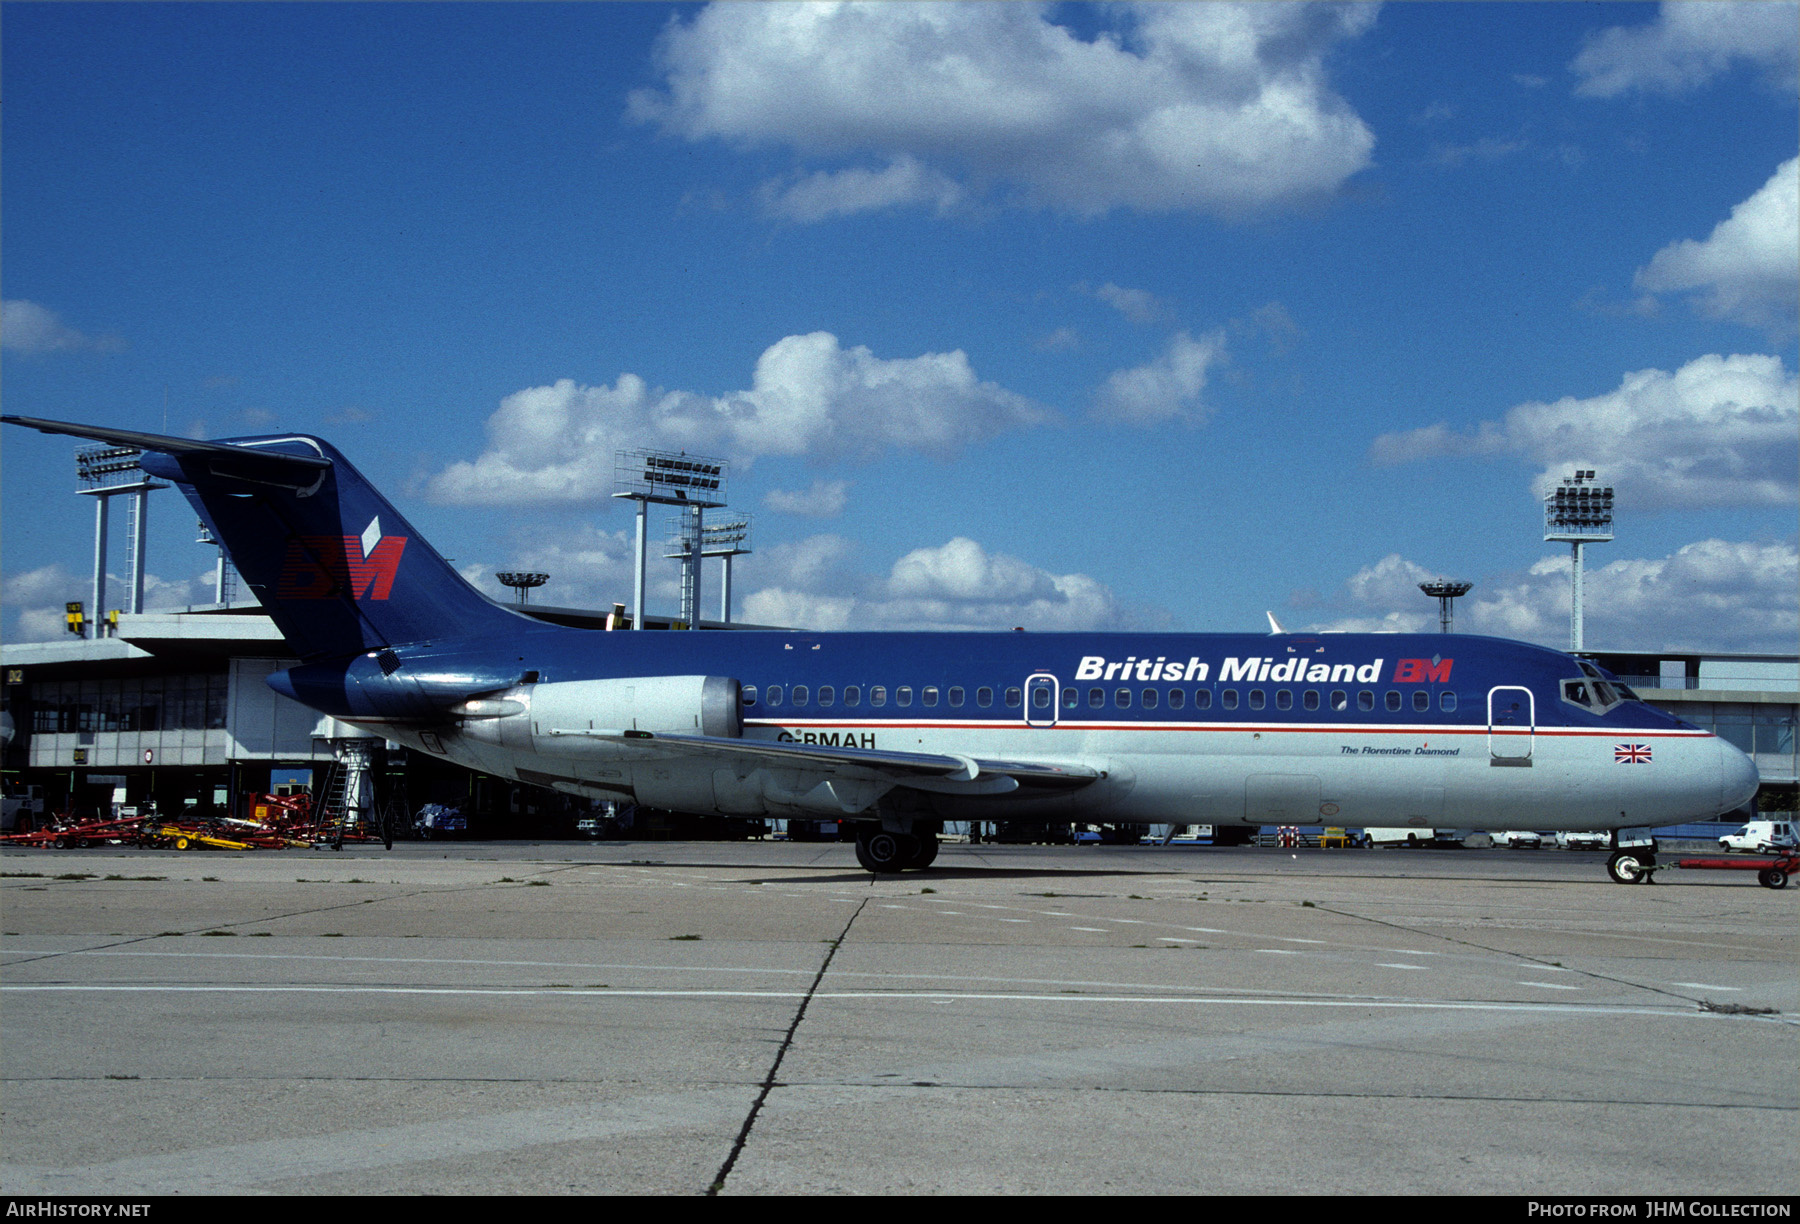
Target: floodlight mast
point(106, 472)
point(1579, 511)
point(725, 541)
point(722, 540)
point(1446, 593)
point(668, 478)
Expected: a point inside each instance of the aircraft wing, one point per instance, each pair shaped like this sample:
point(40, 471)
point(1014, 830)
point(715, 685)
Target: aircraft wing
point(920, 770)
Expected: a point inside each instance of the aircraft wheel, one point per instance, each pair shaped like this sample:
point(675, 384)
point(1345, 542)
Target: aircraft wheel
point(1772, 877)
point(182, 843)
point(882, 852)
point(927, 851)
point(1626, 867)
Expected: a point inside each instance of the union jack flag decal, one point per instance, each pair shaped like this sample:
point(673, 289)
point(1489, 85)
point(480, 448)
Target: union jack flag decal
point(1631, 754)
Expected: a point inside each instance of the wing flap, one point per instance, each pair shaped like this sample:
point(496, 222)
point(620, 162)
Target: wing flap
point(927, 770)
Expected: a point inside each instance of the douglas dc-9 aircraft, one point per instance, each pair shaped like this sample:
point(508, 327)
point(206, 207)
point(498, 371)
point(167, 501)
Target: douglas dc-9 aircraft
point(900, 731)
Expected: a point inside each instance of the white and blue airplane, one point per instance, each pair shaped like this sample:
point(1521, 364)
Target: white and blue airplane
point(898, 732)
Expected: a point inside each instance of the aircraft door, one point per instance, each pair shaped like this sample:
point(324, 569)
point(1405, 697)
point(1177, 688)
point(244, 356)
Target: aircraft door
point(1512, 722)
point(1042, 694)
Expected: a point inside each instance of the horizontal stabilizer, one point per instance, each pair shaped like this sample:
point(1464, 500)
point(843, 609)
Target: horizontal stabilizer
point(222, 459)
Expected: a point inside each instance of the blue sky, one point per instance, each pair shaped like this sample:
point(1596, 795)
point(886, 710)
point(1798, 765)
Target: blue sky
point(1064, 317)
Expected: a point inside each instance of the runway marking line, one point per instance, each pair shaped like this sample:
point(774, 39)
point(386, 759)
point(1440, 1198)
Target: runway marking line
point(1572, 1009)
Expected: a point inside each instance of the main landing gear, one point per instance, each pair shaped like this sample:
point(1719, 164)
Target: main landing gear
point(883, 852)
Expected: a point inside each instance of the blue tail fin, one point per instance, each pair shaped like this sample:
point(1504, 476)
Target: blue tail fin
point(336, 567)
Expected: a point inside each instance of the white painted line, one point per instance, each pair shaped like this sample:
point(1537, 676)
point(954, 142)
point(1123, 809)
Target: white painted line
point(1684, 1011)
point(1395, 965)
point(1550, 985)
point(1705, 986)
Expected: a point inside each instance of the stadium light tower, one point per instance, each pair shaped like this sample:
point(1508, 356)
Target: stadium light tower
point(1446, 594)
point(1578, 511)
point(725, 541)
point(105, 472)
point(668, 478)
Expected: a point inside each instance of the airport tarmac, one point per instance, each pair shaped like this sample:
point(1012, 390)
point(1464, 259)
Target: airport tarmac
point(767, 1018)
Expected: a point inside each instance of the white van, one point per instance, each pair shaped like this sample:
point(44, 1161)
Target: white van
point(1762, 836)
point(1398, 837)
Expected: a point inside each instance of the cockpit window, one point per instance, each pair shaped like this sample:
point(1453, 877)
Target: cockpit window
point(1595, 695)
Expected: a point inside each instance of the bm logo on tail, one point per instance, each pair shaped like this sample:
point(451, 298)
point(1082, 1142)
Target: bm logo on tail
point(330, 567)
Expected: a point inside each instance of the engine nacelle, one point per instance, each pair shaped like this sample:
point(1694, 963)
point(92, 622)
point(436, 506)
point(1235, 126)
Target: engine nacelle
point(691, 705)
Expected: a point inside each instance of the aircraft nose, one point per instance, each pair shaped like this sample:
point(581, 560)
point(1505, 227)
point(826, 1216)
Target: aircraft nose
point(1738, 778)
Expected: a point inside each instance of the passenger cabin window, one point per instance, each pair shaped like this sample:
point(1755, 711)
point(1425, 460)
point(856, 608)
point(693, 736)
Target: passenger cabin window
point(878, 695)
point(1447, 701)
point(1096, 698)
point(1393, 699)
point(984, 697)
point(1340, 700)
point(903, 696)
point(1311, 699)
point(1421, 700)
point(1122, 698)
point(827, 694)
point(1257, 699)
point(1284, 700)
point(748, 694)
point(956, 696)
point(852, 695)
point(774, 694)
point(928, 695)
point(1148, 698)
point(1228, 699)
point(1365, 700)
point(1013, 697)
point(800, 694)
point(1177, 699)
point(1071, 698)
point(1040, 697)
point(1203, 699)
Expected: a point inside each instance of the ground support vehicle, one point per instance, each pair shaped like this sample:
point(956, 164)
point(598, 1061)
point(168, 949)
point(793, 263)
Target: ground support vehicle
point(68, 833)
point(1640, 867)
point(1762, 837)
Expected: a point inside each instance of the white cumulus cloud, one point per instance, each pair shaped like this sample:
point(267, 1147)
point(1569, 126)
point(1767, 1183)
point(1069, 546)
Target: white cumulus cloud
point(26, 327)
point(808, 395)
point(34, 600)
point(957, 585)
point(1216, 108)
point(1748, 270)
point(824, 499)
point(1709, 595)
point(1720, 431)
point(1688, 45)
point(1167, 388)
